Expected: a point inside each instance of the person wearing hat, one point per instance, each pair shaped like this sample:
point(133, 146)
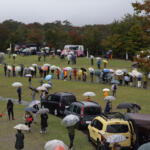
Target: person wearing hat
point(19, 140)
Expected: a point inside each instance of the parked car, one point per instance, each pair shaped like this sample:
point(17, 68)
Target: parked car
point(111, 124)
point(57, 102)
point(86, 111)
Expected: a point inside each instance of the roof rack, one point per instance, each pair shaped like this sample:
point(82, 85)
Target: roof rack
point(112, 115)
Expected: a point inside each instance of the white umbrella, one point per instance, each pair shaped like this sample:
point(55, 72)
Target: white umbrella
point(109, 98)
point(68, 68)
point(41, 88)
point(119, 72)
point(17, 68)
point(17, 84)
point(91, 69)
point(43, 111)
point(131, 74)
point(91, 56)
point(15, 55)
point(9, 67)
point(46, 85)
point(47, 65)
point(28, 75)
point(35, 102)
point(89, 94)
point(106, 90)
point(31, 68)
point(117, 138)
point(8, 49)
point(53, 67)
point(112, 70)
point(70, 120)
point(136, 73)
point(21, 127)
point(98, 58)
point(54, 144)
point(2, 54)
point(34, 65)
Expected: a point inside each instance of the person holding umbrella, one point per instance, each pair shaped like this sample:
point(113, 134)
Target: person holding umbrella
point(114, 89)
point(44, 123)
point(10, 109)
point(28, 119)
point(19, 144)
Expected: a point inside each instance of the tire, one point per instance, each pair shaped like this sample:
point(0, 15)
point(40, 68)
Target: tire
point(89, 138)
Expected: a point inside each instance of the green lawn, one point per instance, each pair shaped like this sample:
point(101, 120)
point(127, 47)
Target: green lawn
point(55, 130)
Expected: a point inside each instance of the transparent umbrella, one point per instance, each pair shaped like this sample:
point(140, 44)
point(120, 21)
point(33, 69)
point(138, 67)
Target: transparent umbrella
point(21, 127)
point(89, 94)
point(35, 102)
point(17, 84)
point(70, 120)
point(55, 145)
point(109, 98)
point(145, 146)
point(106, 90)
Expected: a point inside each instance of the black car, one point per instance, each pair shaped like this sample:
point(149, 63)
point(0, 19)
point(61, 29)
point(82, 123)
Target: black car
point(57, 102)
point(86, 111)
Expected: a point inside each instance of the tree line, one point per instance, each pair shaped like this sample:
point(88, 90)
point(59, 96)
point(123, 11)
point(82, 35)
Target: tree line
point(128, 35)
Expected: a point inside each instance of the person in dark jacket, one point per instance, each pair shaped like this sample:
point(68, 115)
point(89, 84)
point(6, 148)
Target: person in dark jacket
point(5, 69)
point(44, 124)
point(19, 91)
point(71, 134)
point(19, 140)
point(10, 109)
point(108, 107)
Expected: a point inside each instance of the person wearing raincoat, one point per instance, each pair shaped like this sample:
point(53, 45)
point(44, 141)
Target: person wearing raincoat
point(19, 144)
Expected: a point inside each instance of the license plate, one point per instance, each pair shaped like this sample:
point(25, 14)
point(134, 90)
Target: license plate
point(88, 122)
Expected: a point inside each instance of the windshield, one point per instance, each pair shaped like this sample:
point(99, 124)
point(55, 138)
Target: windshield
point(121, 128)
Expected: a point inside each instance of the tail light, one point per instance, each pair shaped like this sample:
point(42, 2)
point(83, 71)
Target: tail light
point(59, 104)
point(102, 139)
point(81, 114)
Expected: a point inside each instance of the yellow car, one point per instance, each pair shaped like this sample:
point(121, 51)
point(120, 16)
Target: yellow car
point(104, 126)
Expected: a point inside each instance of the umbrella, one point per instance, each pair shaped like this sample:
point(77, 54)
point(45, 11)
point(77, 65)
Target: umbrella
point(111, 70)
point(109, 98)
point(97, 72)
point(145, 146)
point(17, 84)
point(131, 74)
point(34, 65)
point(14, 55)
point(58, 68)
point(89, 94)
point(8, 49)
point(116, 138)
point(92, 56)
point(9, 67)
point(55, 145)
point(2, 54)
point(44, 68)
point(83, 69)
point(35, 102)
point(47, 65)
point(30, 109)
point(31, 68)
point(43, 111)
point(125, 70)
point(105, 61)
point(106, 90)
point(106, 70)
point(119, 72)
point(98, 58)
point(115, 82)
point(53, 67)
point(70, 120)
point(28, 75)
point(21, 127)
point(68, 68)
point(126, 105)
point(91, 69)
point(136, 73)
point(17, 68)
point(41, 88)
point(48, 77)
point(47, 85)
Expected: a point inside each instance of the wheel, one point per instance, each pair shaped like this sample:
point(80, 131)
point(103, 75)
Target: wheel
point(56, 112)
point(98, 146)
point(89, 138)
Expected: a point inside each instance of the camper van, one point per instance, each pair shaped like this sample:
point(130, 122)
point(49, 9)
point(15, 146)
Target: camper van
point(73, 49)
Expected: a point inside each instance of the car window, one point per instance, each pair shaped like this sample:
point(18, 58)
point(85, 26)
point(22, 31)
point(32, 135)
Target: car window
point(121, 128)
point(71, 108)
point(67, 100)
point(75, 109)
point(97, 124)
point(55, 98)
point(92, 111)
point(49, 98)
point(78, 110)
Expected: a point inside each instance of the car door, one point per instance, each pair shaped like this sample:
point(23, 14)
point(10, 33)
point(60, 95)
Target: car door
point(48, 102)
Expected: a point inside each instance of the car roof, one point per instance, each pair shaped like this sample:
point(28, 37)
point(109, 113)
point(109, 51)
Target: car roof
point(111, 120)
point(63, 94)
point(86, 104)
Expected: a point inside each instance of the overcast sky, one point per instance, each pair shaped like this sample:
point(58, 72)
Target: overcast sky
point(78, 12)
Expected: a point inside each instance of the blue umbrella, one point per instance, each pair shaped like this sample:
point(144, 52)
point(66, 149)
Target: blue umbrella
point(145, 146)
point(106, 70)
point(30, 109)
point(115, 82)
point(48, 77)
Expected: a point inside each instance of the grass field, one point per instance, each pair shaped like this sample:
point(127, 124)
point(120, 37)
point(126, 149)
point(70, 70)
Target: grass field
point(35, 141)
